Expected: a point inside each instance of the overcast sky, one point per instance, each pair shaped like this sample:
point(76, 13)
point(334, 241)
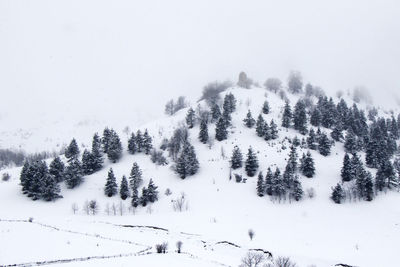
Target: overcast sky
point(87, 57)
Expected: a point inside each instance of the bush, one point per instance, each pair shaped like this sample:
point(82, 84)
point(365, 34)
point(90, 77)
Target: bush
point(238, 178)
point(5, 177)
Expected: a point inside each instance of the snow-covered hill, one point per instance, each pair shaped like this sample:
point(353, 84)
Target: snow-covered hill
point(313, 231)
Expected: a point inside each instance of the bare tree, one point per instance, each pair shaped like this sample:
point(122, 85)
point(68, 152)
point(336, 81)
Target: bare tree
point(107, 209)
point(179, 246)
point(284, 262)
point(121, 208)
point(74, 207)
point(114, 209)
point(180, 204)
point(253, 259)
point(273, 84)
point(86, 208)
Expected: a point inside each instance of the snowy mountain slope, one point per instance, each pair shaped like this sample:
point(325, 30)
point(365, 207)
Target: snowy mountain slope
point(312, 231)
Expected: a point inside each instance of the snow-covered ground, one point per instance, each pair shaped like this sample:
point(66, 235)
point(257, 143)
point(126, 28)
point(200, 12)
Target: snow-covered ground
point(312, 232)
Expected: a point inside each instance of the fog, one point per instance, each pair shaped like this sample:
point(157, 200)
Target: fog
point(76, 59)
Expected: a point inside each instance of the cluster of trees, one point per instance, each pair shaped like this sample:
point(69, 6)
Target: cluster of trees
point(149, 193)
point(140, 143)
point(224, 120)
point(112, 146)
point(268, 132)
point(174, 106)
point(251, 163)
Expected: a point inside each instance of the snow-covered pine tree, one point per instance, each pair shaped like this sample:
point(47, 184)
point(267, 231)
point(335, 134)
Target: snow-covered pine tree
point(221, 132)
point(147, 142)
point(135, 177)
point(187, 163)
point(73, 174)
point(300, 117)
point(316, 117)
point(312, 140)
point(114, 152)
point(106, 139)
point(251, 165)
point(260, 126)
point(249, 121)
point(292, 161)
point(132, 147)
point(190, 117)
point(144, 199)
point(268, 182)
point(87, 163)
point(260, 185)
point(124, 188)
point(111, 187)
point(135, 197)
point(237, 158)
point(72, 151)
point(267, 132)
point(51, 189)
point(287, 116)
point(273, 128)
point(265, 108)
point(368, 187)
point(296, 190)
point(324, 145)
point(308, 167)
point(25, 177)
point(56, 169)
point(139, 141)
point(337, 134)
point(215, 113)
point(350, 143)
point(203, 134)
point(229, 103)
point(152, 193)
point(96, 153)
point(337, 194)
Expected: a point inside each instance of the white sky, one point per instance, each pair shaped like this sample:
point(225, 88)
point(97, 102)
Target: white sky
point(86, 57)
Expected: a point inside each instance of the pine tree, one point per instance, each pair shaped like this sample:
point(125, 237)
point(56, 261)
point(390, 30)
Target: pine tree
point(236, 159)
point(312, 140)
point(268, 182)
point(251, 165)
point(132, 147)
point(380, 179)
point(73, 174)
point(260, 185)
point(267, 132)
point(124, 188)
point(72, 151)
point(324, 145)
point(337, 134)
point(316, 117)
point(106, 139)
point(338, 194)
point(190, 117)
point(144, 199)
point(350, 143)
point(229, 103)
point(147, 142)
point(287, 116)
point(111, 187)
point(152, 193)
point(25, 177)
point(56, 169)
point(139, 141)
point(249, 121)
point(215, 113)
point(135, 197)
point(114, 152)
point(187, 163)
point(300, 117)
point(347, 168)
point(96, 153)
point(87, 163)
point(292, 162)
point(221, 132)
point(273, 128)
point(51, 189)
point(297, 190)
point(135, 177)
point(260, 126)
point(368, 187)
point(307, 166)
point(265, 108)
point(203, 134)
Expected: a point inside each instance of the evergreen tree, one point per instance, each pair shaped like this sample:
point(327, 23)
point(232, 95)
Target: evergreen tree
point(380, 179)
point(226, 118)
point(132, 147)
point(265, 108)
point(97, 155)
point(268, 182)
point(114, 152)
point(300, 117)
point(368, 187)
point(152, 193)
point(135, 177)
point(350, 143)
point(106, 139)
point(237, 158)
point(273, 128)
point(73, 174)
point(56, 169)
point(297, 190)
point(249, 121)
point(312, 140)
point(337, 134)
point(338, 194)
point(111, 187)
point(215, 113)
point(251, 165)
point(287, 116)
point(260, 126)
point(187, 163)
point(124, 188)
point(267, 132)
point(135, 197)
point(51, 189)
point(72, 151)
point(229, 103)
point(324, 145)
point(147, 142)
point(25, 177)
point(190, 117)
point(316, 118)
point(203, 134)
point(292, 162)
point(87, 163)
point(260, 185)
point(144, 199)
point(307, 166)
point(347, 168)
point(221, 132)
point(139, 141)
